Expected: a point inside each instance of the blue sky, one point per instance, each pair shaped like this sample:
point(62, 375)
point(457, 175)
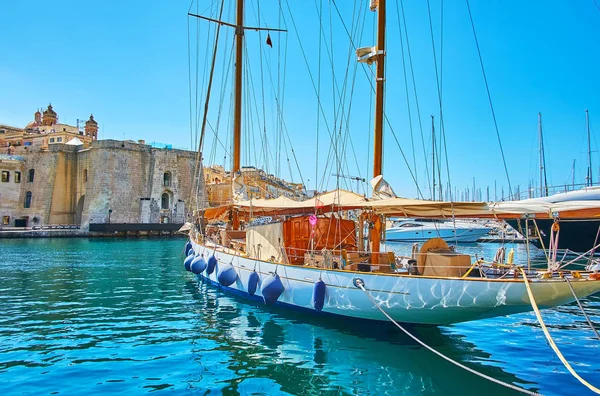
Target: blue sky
point(127, 62)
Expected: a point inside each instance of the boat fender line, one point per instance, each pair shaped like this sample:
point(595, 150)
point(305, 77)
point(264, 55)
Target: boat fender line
point(212, 263)
point(581, 307)
point(361, 285)
point(188, 260)
point(319, 290)
point(253, 282)
point(227, 275)
point(272, 288)
point(549, 338)
point(198, 264)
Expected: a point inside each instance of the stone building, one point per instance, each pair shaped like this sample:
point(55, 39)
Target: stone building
point(118, 182)
point(258, 183)
point(45, 130)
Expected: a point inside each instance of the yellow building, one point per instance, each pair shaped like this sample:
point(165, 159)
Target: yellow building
point(45, 130)
point(258, 183)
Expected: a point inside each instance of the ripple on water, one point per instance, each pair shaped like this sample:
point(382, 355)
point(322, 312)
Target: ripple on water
point(110, 315)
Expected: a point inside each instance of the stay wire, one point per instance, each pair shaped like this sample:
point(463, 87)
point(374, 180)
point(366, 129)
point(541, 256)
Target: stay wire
point(439, 91)
point(487, 88)
point(407, 93)
point(414, 83)
point(385, 115)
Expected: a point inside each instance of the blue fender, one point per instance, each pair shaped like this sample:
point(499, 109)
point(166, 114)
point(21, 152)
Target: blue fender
point(227, 275)
point(188, 247)
point(271, 289)
point(319, 295)
point(188, 260)
point(212, 263)
point(252, 283)
point(198, 264)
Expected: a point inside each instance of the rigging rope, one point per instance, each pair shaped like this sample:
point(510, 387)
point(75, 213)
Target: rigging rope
point(360, 284)
point(487, 88)
point(414, 84)
point(439, 91)
point(406, 90)
point(581, 307)
point(549, 338)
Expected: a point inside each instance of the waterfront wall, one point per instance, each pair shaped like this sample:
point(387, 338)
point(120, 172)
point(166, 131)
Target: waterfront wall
point(110, 182)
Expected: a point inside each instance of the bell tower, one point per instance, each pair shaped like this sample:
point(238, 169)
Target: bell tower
point(37, 117)
point(91, 128)
point(50, 117)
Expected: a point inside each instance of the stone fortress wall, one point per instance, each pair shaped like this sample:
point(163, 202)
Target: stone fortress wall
point(109, 182)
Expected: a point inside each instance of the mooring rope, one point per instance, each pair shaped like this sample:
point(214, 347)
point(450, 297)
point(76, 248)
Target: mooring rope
point(549, 338)
point(582, 310)
point(359, 283)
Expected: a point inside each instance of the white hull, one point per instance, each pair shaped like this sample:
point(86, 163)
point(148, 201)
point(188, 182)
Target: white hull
point(408, 299)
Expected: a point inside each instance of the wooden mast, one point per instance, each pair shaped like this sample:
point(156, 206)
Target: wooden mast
point(237, 115)
point(378, 135)
point(379, 85)
point(237, 110)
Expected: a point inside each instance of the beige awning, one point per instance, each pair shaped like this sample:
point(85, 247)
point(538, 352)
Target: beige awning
point(404, 207)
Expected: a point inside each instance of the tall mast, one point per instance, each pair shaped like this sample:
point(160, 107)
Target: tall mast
point(379, 84)
point(239, 46)
point(543, 179)
point(369, 55)
point(573, 176)
point(587, 125)
point(237, 115)
point(433, 159)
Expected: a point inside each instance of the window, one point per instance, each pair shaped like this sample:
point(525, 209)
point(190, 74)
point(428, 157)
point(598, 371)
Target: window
point(17, 177)
point(5, 220)
point(5, 176)
point(165, 201)
point(31, 175)
point(167, 179)
point(59, 139)
point(27, 200)
point(51, 140)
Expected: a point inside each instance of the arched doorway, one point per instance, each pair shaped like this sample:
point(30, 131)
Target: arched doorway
point(79, 210)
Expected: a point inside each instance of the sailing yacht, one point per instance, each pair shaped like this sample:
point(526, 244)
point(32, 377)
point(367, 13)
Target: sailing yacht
point(311, 257)
point(577, 235)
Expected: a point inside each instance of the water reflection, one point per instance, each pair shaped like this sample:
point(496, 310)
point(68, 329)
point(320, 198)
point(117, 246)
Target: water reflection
point(308, 355)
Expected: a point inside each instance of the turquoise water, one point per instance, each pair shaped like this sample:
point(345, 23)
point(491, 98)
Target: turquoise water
point(123, 316)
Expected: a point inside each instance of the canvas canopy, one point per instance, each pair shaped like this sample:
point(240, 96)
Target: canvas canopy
point(402, 207)
point(264, 242)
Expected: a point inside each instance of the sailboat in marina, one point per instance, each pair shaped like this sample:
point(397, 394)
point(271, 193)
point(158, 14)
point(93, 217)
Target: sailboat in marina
point(310, 256)
point(577, 234)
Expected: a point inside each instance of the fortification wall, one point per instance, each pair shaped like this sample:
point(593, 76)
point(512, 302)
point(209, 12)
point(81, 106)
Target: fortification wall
point(128, 179)
point(120, 182)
